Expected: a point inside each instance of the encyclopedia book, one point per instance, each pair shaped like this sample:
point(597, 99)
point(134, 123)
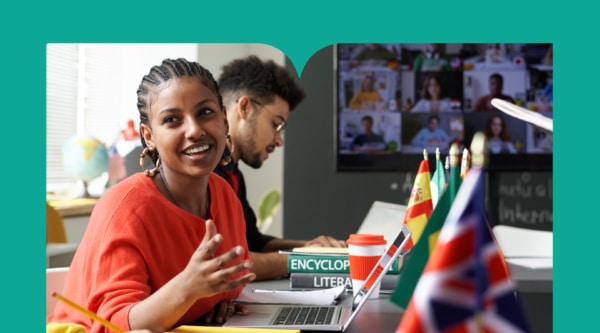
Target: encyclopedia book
point(331, 280)
point(327, 263)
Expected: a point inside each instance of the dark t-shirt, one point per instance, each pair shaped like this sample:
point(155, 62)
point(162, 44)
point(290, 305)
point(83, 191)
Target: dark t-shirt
point(235, 178)
point(368, 140)
point(484, 103)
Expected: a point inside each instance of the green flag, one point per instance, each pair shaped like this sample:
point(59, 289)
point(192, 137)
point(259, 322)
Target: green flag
point(420, 253)
point(438, 179)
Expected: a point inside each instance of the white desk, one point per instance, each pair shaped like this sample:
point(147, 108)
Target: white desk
point(537, 278)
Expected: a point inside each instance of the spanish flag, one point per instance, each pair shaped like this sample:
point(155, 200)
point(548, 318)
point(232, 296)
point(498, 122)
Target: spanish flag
point(420, 204)
point(420, 253)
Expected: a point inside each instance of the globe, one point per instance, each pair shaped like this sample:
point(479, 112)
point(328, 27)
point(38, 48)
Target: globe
point(84, 158)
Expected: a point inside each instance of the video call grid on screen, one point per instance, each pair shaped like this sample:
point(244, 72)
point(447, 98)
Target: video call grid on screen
point(400, 86)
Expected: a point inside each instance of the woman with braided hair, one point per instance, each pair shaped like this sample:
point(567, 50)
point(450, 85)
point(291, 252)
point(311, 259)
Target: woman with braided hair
point(166, 246)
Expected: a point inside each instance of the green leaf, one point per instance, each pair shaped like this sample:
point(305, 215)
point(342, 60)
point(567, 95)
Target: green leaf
point(269, 204)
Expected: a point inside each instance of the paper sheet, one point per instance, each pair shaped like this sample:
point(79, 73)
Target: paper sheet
point(318, 297)
point(219, 329)
point(531, 268)
point(318, 250)
point(532, 262)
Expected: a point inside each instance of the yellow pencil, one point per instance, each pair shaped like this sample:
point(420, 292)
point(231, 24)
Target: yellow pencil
point(88, 313)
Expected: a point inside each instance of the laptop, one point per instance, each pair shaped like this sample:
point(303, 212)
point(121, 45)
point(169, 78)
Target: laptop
point(383, 218)
point(320, 317)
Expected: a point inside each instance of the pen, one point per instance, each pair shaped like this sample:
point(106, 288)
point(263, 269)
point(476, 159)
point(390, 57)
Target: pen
point(263, 291)
point(273, 291)
point(88, 313)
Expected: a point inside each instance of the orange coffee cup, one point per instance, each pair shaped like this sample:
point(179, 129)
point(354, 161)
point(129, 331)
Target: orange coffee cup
point(364, 251)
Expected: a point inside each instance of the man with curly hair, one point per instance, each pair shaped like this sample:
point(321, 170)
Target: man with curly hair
point(259, 96)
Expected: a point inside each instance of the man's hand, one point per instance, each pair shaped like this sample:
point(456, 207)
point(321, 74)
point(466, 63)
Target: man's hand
point(326, 241)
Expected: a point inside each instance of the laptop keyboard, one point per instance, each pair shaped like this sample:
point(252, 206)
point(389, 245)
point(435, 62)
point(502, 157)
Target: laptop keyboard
point(304, 315)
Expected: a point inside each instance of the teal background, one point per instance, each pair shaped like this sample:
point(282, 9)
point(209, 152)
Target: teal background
point(299, 30)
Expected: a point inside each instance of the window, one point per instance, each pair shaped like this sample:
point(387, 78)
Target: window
point(81, 98)
point(61, 105)
point(91, 89)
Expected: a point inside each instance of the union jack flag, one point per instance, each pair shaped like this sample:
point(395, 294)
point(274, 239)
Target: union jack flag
point(465, 286)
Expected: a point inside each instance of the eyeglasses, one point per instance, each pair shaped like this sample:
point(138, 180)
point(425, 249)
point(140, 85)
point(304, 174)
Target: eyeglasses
point(278, 127)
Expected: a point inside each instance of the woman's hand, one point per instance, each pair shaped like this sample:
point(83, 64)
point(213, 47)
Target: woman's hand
point(207, 275)
point(204, 275)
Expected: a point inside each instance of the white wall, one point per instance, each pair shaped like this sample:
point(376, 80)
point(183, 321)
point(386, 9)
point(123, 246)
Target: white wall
point(270, 175)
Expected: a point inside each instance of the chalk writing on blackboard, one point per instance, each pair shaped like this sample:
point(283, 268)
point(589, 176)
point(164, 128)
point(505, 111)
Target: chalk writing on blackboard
point(525, 199)
point(409, 182)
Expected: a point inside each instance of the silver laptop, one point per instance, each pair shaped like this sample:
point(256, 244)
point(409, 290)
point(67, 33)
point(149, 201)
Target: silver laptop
point(383, 218)
point(320, 317)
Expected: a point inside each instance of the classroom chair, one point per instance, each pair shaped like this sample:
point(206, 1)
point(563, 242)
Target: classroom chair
point(55, 282)
point(55, 228)
point(59, 252)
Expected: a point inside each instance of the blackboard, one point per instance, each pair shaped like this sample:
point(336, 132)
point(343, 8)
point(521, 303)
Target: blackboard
point(521, 199)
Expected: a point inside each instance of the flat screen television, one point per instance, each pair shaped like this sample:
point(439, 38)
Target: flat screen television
point(395, 101)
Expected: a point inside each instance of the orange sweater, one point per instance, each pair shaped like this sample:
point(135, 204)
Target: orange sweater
point(362, 97)
point(135, 242)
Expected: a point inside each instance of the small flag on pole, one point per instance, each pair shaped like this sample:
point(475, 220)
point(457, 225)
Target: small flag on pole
point(419, 203)
point(447, 166)
point(438, 179)
point(416, 260)
point(464, 166)
point(465, 286)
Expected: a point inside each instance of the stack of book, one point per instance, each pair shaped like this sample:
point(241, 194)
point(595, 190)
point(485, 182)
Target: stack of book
point(317, 268)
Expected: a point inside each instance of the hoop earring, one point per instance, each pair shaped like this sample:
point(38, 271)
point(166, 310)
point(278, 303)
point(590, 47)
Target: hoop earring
point(149, 172)
point(227, 159)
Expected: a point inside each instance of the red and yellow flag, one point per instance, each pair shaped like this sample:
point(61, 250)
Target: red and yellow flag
point(420, 204)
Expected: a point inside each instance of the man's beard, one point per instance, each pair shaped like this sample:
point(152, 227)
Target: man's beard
point(253, 160)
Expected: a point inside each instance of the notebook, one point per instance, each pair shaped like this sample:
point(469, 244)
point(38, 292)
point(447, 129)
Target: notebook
point(383, 218)
point(324, 318)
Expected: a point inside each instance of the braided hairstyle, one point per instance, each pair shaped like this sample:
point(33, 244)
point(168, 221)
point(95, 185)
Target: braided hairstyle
point(262, 79)
point(168, 70)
